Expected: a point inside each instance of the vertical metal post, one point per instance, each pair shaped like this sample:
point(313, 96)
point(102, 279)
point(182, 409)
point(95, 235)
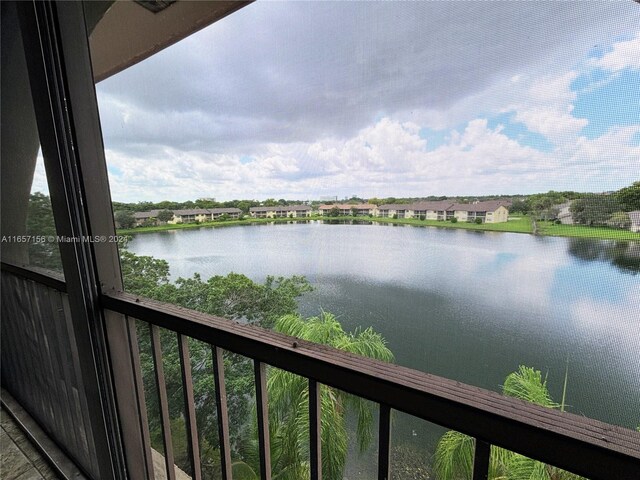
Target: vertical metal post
point(223, 413)
point(384, 443)
point(315, 430)
point(190, 408)
point(57, 51)
point(481, 460)
point(263, 420)
point(163, 402)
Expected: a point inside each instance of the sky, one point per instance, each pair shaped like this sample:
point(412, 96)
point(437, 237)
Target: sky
point(305, 100)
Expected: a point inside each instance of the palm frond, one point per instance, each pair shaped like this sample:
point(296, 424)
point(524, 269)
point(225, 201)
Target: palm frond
point(454, 456)
point(527, 384)
point(524, 468)
point(368, 344)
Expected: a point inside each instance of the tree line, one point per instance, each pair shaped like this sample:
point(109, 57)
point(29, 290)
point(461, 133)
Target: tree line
point(607, 209)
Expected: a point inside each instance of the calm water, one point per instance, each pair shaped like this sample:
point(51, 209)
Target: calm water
point(465, 305)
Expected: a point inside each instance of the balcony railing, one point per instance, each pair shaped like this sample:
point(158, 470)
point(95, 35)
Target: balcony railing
point(581, 445)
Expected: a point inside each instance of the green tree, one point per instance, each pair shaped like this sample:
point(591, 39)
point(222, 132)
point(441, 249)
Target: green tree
point(143, 275)
point(165, 215)
point(629, 197)
point(594, 209)
point(619, 220)
point(334, 212)
point(454, 453)
point(542, 207)
point(124, 219)
point(520, 206)
point(45, 253)
point(289, 401)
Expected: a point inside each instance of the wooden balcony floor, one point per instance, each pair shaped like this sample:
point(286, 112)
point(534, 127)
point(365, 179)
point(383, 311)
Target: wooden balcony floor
point(19, 459)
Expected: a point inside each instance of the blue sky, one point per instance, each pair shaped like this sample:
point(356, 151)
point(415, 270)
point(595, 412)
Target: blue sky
point(310, 99)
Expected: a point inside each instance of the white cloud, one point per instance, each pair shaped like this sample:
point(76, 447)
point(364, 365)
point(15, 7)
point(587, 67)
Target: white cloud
point(624, 54)
point(546, 108)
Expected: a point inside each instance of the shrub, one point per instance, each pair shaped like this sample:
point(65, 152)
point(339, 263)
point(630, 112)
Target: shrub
point(423, 217)
point(454, 220)
point(478, 221)
point(395, 216)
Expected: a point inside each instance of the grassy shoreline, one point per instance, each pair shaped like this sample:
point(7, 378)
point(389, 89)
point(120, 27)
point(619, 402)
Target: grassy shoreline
point(516, 225)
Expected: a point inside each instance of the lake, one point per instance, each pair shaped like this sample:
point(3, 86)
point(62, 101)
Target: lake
point(466, 305)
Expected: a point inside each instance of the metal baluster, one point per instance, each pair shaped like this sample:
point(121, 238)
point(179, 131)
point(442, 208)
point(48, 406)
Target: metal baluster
point(190, 409)
point(315, 430)
point(156, 347)
point(139, 384)
point(481, 460)
point(223, 413)
point(384, 443)
point(263, 419)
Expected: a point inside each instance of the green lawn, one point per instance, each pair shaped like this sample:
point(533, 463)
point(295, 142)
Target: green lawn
point(520, 225)
point(226, 223)
point(606, 233)
point(515, 224)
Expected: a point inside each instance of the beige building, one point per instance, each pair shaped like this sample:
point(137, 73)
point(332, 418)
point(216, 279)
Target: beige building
point(281, 211)
point(634, 218)
point(233, 213)
point(347, 210)
point(145, 218)
point(190, 215)
point(429, 210)
point(397, 210)
point(489, 212)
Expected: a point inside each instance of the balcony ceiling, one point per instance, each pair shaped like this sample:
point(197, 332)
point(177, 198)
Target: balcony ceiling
point(124, 33)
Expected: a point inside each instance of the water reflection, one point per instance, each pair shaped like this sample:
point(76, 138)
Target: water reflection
point(335, 221)
point(623, 255)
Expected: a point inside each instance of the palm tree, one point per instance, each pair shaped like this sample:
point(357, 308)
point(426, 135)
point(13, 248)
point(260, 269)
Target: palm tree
point(454, 453)
point(289, 401)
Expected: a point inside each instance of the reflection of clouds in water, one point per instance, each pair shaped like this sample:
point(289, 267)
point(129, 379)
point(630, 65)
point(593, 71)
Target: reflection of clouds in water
point(522, 280)
point(615, 324)
point(621, 318)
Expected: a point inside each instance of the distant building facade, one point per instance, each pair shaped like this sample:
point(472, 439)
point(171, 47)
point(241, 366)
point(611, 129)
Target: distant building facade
point(281, 211)
point(564, 213)
point(634, 218)
point(347, 210)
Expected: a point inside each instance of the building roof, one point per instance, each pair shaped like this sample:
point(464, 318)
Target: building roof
point(432, 206)
point(488, 206)
point(143, 215)
point(224, 210)
point(344, 206)
point(280, 208)
point(191, 211)
point(395, 206)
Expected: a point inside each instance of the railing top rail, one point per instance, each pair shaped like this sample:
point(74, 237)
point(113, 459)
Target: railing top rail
point(582, 445)
point(49, 278)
